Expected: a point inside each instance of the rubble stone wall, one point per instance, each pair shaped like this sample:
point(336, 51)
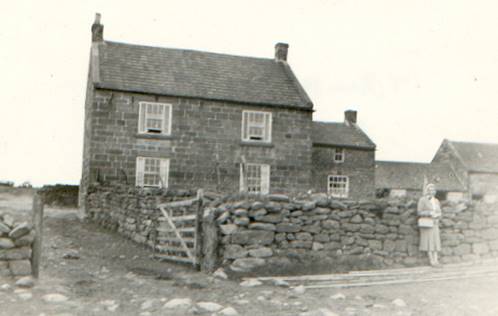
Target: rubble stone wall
point(132, 212)
point(278, 231)
point(16, 240)
point(204, 148)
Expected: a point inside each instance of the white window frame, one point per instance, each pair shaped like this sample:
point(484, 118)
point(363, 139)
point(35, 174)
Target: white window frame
point(247, 124)
point(263, 187)
point(144, 115)
point(141, 172)
point(341, 152)
point(338, 193)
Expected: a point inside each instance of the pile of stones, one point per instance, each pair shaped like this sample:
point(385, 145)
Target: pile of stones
point(16, 240)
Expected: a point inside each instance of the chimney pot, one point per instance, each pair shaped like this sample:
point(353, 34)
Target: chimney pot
point(350, 116)
point(97, 29)
point(281, 50)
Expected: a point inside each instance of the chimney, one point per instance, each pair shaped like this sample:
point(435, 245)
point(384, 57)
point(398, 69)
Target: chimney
point(281, 51)
point(97, 29)
point(350, 116)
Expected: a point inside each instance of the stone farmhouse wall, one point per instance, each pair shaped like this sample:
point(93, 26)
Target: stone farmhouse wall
point(358, 165)
point(205, 143)
point(16, 241)
point(278, 233)
point(484, 185)
point(85, 168)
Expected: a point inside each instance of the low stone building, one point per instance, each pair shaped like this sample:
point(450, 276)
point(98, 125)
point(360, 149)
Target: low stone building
point(474, 164)
point(343, 159)
point(406, 179)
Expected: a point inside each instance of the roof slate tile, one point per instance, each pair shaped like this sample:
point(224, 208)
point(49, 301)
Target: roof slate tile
point(410, 176)
point(198, 74)
point(340, 134)
point(478, 157)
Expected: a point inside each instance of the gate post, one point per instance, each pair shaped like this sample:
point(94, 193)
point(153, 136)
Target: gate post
point(210, 258)
point(198, 229)
point(37, 243)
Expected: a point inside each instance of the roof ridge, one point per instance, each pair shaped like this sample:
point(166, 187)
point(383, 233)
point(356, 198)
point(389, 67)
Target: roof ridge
point(472, 143)
point(334, 122)
point(187, 50)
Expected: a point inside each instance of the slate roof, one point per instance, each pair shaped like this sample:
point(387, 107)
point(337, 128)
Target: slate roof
point(477, 157)
point(410, 176)
point(340, 134)
point(190, 73)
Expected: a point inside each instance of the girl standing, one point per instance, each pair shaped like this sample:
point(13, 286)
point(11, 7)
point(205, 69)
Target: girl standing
point(429, 212)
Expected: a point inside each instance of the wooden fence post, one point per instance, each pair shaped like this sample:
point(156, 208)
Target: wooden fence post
point(198, 229)
point(37, 243)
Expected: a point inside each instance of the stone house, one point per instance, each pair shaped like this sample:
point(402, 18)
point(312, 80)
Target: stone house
point(406, 179)
point(343, 159)
point(474, 164)
point(176, 118)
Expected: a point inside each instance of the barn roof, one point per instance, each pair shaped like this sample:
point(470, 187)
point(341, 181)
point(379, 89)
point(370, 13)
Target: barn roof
point(477, 157)
point(198, 74)
point(410, 176)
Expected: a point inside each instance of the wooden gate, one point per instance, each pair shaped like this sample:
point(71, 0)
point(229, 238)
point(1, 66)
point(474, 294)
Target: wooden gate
point(179, 231)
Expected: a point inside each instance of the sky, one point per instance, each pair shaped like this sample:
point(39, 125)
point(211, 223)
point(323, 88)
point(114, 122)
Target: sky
point(417, 72)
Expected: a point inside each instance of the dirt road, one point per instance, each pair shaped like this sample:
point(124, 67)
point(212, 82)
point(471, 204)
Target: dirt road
point(94, 272)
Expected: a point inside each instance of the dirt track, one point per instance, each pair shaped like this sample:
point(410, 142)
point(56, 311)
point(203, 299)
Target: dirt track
point(116, 276)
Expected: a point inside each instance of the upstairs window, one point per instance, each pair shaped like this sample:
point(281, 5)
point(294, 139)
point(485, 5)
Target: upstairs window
point(338, 186)
point(154, 118)
point(152, 172)
point(256, 126)
point(339, 154)
point(255, 178)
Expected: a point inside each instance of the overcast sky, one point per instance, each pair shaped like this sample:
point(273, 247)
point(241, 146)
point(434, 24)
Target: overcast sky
point(416, 71)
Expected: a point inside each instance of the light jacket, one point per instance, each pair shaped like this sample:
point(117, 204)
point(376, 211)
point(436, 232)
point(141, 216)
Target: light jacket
point(425, 207)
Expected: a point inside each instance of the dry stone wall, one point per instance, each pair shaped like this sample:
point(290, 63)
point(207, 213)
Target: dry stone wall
point(132, 212)
point(278, 234)
point(16, 241)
